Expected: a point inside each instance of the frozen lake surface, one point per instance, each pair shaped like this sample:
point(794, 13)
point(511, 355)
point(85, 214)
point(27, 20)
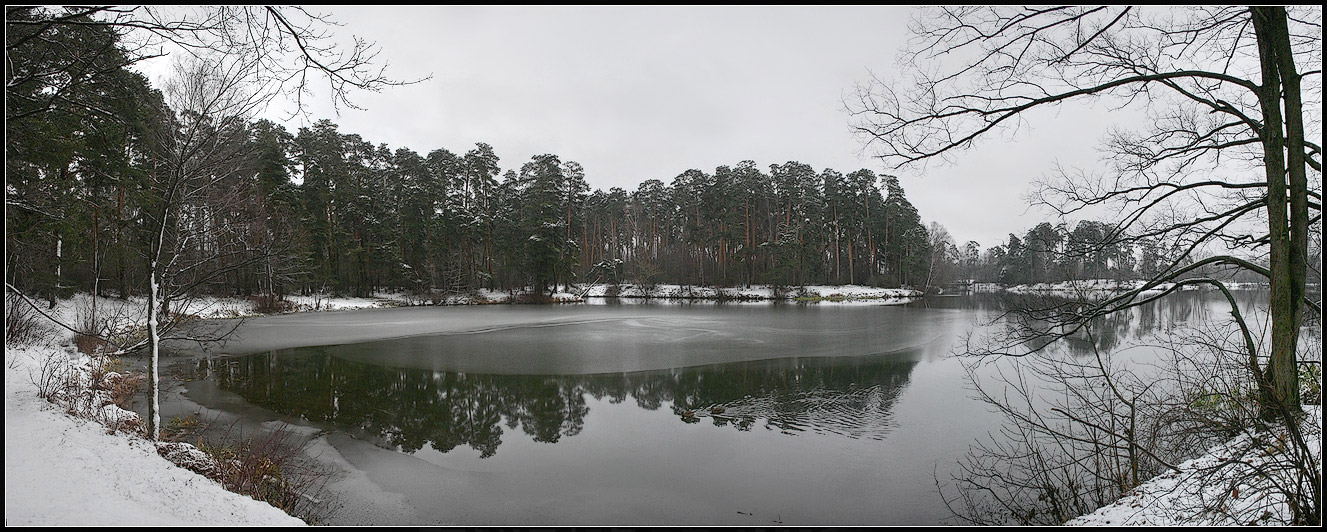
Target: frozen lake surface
point(631, 414)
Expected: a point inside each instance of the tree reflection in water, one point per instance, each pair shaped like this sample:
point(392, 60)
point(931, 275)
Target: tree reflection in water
point(1104, 333)
point(411, 408)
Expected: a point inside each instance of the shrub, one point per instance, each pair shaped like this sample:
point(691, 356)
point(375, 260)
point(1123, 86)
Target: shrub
point(124, 388)
point(271, 304)
point(1310, 383)
point(54, 379)
point(21, 324)
point(88, 344)
point(269, 466)
point(88, 338)
point(475, 297)
point(90, 389)
point(527, 298)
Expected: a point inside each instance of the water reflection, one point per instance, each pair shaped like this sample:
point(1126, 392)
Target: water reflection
point(849, 397)
point(1102, 334)
point(412, 408)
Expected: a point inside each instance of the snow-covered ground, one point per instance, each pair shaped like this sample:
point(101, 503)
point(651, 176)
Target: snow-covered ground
point(1108, 286)
point(753, 293)
point(1219, 478)
point(65, 471)
point(1086, 286)
point(582, 292)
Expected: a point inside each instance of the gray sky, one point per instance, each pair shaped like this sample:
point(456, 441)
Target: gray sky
point(636, 93)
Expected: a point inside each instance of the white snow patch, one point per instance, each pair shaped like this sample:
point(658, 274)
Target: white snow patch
point(1088, 285)
point(66, 471)
point(1174, 498)
point(754, 292)
point(1109, 286)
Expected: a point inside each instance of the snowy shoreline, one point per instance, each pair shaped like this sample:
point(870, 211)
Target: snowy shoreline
point(1110, 286)
point(580, 293)
point(817, 293)
point(1175, 497)
point(62, 470)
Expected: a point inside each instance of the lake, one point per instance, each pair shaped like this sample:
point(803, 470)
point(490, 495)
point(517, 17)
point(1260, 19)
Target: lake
point(625, 414)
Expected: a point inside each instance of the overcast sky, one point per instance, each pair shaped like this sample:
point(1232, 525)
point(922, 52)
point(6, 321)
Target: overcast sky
point(636, 93)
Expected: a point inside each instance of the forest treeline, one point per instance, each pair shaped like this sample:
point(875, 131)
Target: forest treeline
point(276, 212)
point(325, 210)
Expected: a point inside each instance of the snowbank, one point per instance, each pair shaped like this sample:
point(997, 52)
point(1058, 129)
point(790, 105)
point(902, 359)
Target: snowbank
point(1110, 286)
point(66, 471)
point(71, 310)
point(753, 293)
point(1174, 498)
point(579, 293)
point(1086, 286)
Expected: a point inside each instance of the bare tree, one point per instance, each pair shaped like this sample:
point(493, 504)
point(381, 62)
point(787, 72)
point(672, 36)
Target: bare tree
point(1224, 172)
point(1087, 422)
point(230, 63)
point(1214, 82)
point(287, 50)
point(195, 165)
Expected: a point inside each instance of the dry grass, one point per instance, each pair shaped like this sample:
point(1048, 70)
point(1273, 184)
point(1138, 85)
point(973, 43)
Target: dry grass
point(88, 344)
point(125, 388)
point(91, 389)
point(268, 465)
point(271, 304)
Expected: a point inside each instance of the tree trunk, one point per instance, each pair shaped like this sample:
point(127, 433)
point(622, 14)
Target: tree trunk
point(153, 405)
point(55, 290)
point(1286, 217)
